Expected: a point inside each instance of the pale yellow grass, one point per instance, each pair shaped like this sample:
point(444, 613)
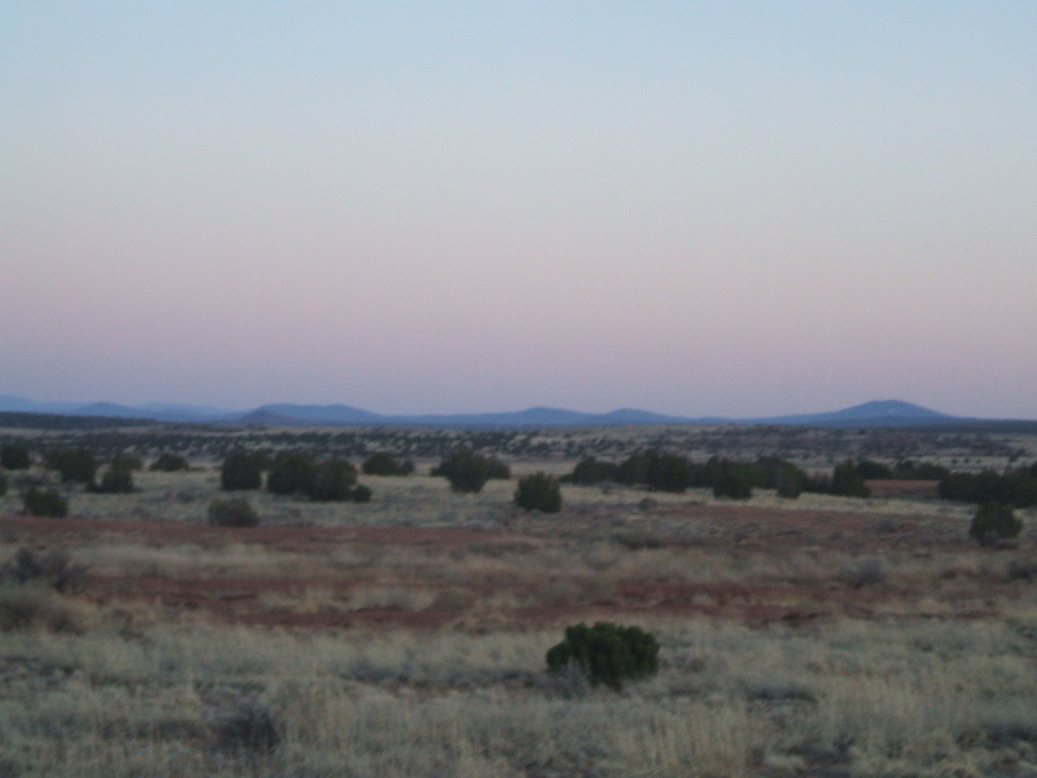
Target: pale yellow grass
point(889, 698)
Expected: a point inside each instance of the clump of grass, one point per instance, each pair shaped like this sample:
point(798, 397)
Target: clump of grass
point(54, 568)
point(247, 728)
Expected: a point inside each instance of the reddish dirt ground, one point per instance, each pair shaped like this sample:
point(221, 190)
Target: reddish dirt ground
point(735, 529)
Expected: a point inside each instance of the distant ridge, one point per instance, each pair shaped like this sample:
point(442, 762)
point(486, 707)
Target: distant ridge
point(882, 413)
point(878, 414)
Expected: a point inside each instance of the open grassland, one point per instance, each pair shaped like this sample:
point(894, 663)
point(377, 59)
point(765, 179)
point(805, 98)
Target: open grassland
point(822, 636)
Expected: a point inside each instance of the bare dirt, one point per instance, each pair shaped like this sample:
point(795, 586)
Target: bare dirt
point(738, 531)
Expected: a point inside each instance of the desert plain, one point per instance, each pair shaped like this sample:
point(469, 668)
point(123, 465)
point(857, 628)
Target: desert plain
point(819, 636)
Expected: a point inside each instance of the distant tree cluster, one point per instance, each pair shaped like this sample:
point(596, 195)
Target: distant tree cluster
point(169, 463)
point(727, 478)
point(14, 456)
point(673, 473)
point(1016, 487)
point(294, 473)
point(468, 471)
point(384, 463)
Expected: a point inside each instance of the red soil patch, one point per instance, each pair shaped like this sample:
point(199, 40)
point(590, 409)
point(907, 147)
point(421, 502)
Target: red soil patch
point(447, 600)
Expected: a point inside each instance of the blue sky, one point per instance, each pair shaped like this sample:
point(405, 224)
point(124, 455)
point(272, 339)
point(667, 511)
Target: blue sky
point(740, 208)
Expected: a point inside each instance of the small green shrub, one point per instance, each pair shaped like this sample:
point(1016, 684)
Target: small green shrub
point(361, 494)
point(3, 483)
point(232, 512)
point(45, 502)
point(607, 653)
point(333, 481)
point(994, 522)
point(76, 465)
point(115, 481)
point(240, 471)
point(383, 463)
point(14, 456)
point(732, 480)
point(169, 463)
point(126, 461)
point(539, 492)
point(292, 473)
point(847, 481)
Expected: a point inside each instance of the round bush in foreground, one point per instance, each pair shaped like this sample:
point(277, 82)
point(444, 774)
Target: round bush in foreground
point(233, 512)
point(607, 653)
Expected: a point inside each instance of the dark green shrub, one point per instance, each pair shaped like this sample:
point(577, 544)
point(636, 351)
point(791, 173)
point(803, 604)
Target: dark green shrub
point(361, 494)
point(592, 471)
point(495, 469)
point(1016, 487)
point(468, 471)
point(667, 472)
point(76, 465)
point(869, 469)
point(232, 512)
point(606, 653)
point(539, 492)
point(115, 482)
point(781, 475)
point(908, 470)
point(240, 471)
point(45, 502)
point(3, 483)
point(14, 456)
point(633, 469)
point(847, 481)
point(994, 522)
point(733, 480)
point(169, 463)
point(126, 461)
point(294, 473)
point(383, 463)
point(333, 481)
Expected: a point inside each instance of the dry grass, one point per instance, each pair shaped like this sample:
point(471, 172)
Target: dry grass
point(873, 642)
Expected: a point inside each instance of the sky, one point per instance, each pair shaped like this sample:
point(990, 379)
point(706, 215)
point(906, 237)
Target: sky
point(726, 208)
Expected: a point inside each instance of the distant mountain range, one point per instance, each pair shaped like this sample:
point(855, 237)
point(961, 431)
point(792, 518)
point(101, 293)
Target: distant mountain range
point(872, 415)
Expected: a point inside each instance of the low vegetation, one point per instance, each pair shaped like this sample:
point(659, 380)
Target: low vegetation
point(468, 471)
point(606, 653)
point(232, 512)
point(240, 471)
point(14, 456)
point(418, 634)
point(170, 463)
point(39, 501)
point(539, 492)
point(994, 522)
